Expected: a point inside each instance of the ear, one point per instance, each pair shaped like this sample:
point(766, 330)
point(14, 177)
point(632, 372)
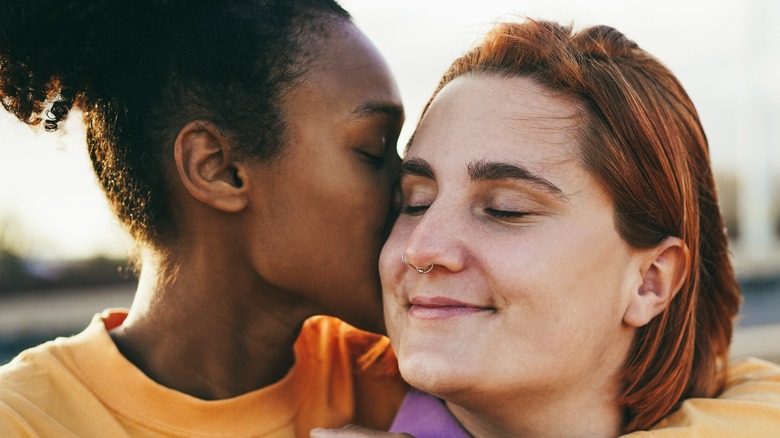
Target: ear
point(203, 158)
point(663, 269)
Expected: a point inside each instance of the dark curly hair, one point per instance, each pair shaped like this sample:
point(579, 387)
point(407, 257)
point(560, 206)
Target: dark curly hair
point(140, 70)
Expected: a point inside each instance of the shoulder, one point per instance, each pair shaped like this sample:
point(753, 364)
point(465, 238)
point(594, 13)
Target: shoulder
point(748, 407)
point(28, 384)
point(44, 387)
point(755, 379)
point(30, 370)
point(354, 365)
point(363, 350)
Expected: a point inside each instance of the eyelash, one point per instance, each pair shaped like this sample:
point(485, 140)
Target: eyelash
point(413, 210)
point(502, 214)
point(375, 160)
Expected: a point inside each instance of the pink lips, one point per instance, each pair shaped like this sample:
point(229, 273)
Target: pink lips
point(442, 308)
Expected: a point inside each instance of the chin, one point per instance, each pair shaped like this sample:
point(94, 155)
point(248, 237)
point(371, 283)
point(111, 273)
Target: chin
point(435, 374)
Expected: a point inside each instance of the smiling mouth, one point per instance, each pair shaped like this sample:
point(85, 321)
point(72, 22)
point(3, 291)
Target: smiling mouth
point(444, 308)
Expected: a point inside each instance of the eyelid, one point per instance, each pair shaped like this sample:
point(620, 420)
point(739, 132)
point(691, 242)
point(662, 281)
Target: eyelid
point(413, 210)
point(370, 152)
point(370, 147)
point(373, 157)
point(417, 194)
point(411, 181)
point(419, 199)
point(373, 160)
point(507, 214)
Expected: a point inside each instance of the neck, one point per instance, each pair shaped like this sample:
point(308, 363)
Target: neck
point(210, 331)
point(593, 413)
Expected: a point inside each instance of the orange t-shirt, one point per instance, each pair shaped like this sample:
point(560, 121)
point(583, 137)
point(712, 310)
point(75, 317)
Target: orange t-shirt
point(82, 386)
point(748, 408)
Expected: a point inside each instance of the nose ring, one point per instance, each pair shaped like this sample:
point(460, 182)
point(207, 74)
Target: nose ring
point(419, 270)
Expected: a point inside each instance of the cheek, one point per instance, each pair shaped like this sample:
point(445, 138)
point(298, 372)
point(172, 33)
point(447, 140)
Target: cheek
point(386, 264)
point(391, 272)
point(391, 267)
point(369, 204)
point(561, 284)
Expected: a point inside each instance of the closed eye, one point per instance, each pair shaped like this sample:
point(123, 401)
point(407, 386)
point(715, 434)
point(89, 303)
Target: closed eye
point(414, 210)
point(375, 160)
point(503, 214)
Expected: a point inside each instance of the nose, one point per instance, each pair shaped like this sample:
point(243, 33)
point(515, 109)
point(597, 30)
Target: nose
point(416, 268)
point(438, 242)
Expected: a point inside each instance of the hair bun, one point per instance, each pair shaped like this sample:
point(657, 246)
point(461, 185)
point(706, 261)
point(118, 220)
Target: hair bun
point(53, 52)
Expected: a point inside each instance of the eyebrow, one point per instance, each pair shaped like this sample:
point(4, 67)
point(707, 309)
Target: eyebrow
point(496, 171)
point(485, 171)
point(368, 109)
point(417, 167)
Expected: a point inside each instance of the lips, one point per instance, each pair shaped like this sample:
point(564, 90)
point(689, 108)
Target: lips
point(443, 308)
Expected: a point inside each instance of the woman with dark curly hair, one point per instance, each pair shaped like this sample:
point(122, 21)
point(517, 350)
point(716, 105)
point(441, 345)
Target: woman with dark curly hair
point(249, 146)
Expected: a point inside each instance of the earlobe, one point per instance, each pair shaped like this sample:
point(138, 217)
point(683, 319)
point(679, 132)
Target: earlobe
point(664, 269)
point(203, 160)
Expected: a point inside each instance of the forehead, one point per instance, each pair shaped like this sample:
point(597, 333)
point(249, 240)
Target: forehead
point(512, 119)
point(345, 66)
point(346, 85)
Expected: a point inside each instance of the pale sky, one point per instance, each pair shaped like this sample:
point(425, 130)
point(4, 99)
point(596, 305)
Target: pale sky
point(725, 52)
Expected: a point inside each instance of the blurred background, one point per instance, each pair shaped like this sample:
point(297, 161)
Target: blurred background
point(63, 257)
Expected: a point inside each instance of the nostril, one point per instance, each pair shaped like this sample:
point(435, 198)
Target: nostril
point(415, 267)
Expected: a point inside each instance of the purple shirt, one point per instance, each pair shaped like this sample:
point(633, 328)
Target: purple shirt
point(425, 416)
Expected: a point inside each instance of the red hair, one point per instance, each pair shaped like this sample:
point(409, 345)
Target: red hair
point(640, 135)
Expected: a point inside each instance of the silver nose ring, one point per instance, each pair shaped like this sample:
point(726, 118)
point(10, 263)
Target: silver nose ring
point(418, 269)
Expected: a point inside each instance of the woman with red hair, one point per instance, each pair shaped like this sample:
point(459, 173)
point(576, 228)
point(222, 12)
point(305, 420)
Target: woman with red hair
point(560, 267)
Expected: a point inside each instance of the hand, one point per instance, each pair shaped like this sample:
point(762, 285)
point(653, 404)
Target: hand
point(352, 431)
